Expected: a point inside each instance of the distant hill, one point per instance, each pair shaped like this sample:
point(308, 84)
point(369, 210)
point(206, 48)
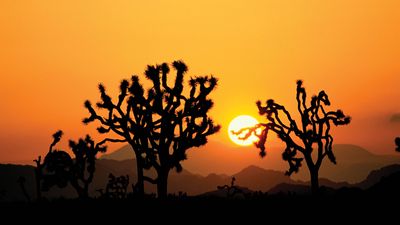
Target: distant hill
point(123, 153)
point(9, 188)
point(251, 178)
point(376, 175)
point(353, 162)
point(387, 186)
point(259, 179)
point(385, 180)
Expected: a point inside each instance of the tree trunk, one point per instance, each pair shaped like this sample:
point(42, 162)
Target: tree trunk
point(162, 183)
point(314, 181)
point(140, 181)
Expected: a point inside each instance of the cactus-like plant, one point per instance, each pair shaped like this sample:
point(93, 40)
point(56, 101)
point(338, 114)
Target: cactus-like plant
point(60, 169)
point(83, 167)
point(309, 140)
point(231, 190)
point(160, 124)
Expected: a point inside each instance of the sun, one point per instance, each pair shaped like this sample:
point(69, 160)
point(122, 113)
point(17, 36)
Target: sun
point(238, 123)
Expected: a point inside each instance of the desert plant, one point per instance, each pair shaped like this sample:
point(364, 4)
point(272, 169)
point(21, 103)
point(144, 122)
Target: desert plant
point(59, 169)
point(116, 187)
point(160, 124)
point(84, 166)
point(231, 190)
point(310, 140)
point(57, 166)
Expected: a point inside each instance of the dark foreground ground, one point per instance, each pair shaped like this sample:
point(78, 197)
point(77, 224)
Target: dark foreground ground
point(342, 209)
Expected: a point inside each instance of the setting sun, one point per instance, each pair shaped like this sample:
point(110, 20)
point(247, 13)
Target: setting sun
point(241, 122)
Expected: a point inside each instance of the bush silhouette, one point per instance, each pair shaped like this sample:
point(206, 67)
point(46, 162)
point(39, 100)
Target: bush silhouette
point(59, 169)
point(160, 124)
point(116, 187)
point(310, 141)
point(231, 190)
point(397, 142)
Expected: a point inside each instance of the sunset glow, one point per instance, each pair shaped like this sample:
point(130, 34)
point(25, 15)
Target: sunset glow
point(240, 122)
point(54, 54)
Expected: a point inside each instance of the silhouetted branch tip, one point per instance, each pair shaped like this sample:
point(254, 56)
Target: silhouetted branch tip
point(213, 80)
point(135, 78)
point(102, 130)
point(164, 68)
point(397, 142)
point(299, 82)
point(124, 85)
point(57, 136)
point(152, 73)
point(180, 66)
point(87, 104)
point(101, 87)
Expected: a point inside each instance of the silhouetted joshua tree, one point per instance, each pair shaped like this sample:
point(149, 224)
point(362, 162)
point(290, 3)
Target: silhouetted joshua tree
point(38, 177)
point(311, 140)
point(160, 124)
point(59, 169)
point(397, 142)
point(49, 172)
point(83, 168)
point(231, 190)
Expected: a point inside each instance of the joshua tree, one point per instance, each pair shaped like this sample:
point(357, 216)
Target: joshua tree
point(45, 172)
point(38, 177)
point(57, 166)
point(231, 190)
point(60, 169)
point(310, 141)
point(83, 168)
point(160, 124)
point(125, 118)
point(397, 142)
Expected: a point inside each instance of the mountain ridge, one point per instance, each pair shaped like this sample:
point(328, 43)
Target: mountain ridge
point(250, 179)
point(353, 162)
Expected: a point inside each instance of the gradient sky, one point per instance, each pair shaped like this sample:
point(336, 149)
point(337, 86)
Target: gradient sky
point(53, 54)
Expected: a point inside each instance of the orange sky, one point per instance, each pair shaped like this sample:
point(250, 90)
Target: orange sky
point(53, 54)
